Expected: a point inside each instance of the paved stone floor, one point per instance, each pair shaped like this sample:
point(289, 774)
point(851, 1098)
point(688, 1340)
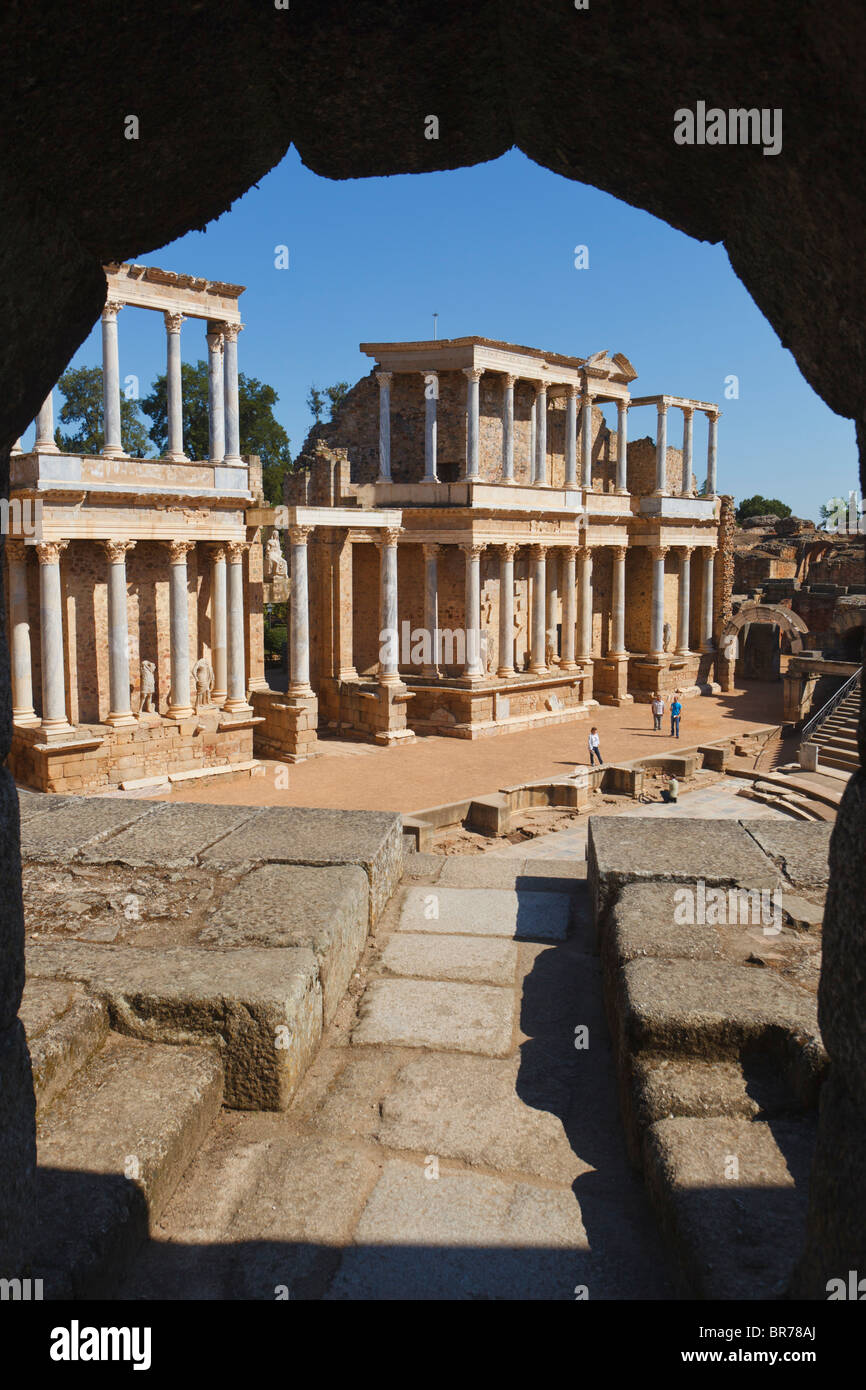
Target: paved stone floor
point(458, 1135)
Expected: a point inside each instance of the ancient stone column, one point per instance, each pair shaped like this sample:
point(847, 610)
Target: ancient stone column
point(474, 667)
point(506, 610)
point(299, 613)
point(550, 623)
point(384, 379)
point(389, 666)
point(684, 599)
point(688, 434)
point(569, 609)
point(657, 620)
point(661, 449)
point(712, 447)
point(431, 608)
point(473, 378)
point(20, 656)
point(508, 428)
point(17, 447)
point(179, 706)
point(617, 627)
point(584, 654)
point(344, 635)
point(707, 603)
point(541, 436)
point(54, 721)
point(533, 430)
point(216, 417)
point(44, 443)
point(237, 680)
point(230, 393)
point(113, 447)
point(119, 708)
point(571, 437)
point(174, 388)
point(219, 627)
point(586, 440)
point(431, 396)
point(622, 447)
point(537, 645)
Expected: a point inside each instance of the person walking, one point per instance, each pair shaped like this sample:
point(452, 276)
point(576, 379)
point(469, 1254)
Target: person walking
point(676, 712)
point(594, 750)
point(658, 709)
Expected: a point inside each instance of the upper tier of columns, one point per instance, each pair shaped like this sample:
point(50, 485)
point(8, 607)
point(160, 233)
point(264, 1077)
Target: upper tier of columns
point(685, 487)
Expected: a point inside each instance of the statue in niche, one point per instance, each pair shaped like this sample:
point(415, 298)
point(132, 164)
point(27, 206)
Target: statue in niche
point(551, 656)
point(202, 674)
point(148, 688)
point(277, 565)
point(667, 637)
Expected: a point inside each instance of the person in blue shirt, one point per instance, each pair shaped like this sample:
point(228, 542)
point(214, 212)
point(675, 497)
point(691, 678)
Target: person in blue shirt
point(676, 711)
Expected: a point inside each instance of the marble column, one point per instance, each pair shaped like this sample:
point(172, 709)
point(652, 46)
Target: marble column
point(54, 720)
point(657, 613)
point(622, 447)
point(684, 600)
point(537, 645)
point(119, 707)
point(473, 379)
point(431, 608)
point(20, 657)
point(707, 603)
point(508, 428)
point(113, 446)
point(174, 388)
point(571, 437)
point(299, 612)
point(584, 654)
point(474, 667)
point(431, 397)
point(344, 605)
point(661, 449)
point(384, 379)
point(569, 609)
point(533, 430)
point(230, 393)
point(506, 610)
point(389, 668)
point(586, 441)
point(688, 435)
point(236, 702)
point(617, 641)
point(216, 417)
point(550, 622)
point(219, 624)
point(712, 449)
point(179, 705)
point(541, 436)
point(17, 447)
point(44, 443)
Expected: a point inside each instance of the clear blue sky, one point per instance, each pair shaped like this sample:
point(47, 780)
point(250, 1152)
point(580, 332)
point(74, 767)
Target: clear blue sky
point(491, 249)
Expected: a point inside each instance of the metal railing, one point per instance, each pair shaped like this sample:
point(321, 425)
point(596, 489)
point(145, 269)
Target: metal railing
point(850, 684)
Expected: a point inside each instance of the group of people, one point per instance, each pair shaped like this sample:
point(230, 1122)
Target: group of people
point(658, 709)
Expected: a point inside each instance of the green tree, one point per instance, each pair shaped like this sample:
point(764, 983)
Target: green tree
point(260, 433)
point(83, 407)
point(334, 395)
point(315, 403)
point(761, 506)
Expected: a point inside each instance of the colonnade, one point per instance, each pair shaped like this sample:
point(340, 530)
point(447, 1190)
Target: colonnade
point(662, 405)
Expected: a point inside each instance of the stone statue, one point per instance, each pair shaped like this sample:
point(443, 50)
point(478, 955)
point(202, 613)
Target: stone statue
point(148, 688)
point(667, 636)
point(730, 646)
point(551, 656)
point(277, 566)
point(202, 673)
point(489, 640)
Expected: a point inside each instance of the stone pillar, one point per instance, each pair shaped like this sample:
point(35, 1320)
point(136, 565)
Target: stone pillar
point(586, 441)
point(54, 721)
point(431, 396)
point(216, 396)
point(344, 602)
point(230, 393)
point(20, 657)
point(508, 428)
point(506, 610)
point(474, 668)
point(541, 436)
point(174, 388)
point(17, 447)
point(550, 623)
point(236, 676)
point(661, 449)
point(622, 447)
point(44, 443)
point(299, 613)
point(712, 448)
point(119, 707)
point(431, 608)
point(389, 669)
point(537, 649)
point(571, 437)
point(112, 447)
point(617, 642)
point(179, 706)
point(707, 603)
point(684, 600)
point(688, 433)
point(657, 621)
point(533, 430)
point(219, 628)
point(585, 591)
point(569, 609)
point(473, 378)
point(384, 379)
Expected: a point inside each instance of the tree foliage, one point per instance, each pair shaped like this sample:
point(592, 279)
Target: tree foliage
point(83, 407)
point(761, 506)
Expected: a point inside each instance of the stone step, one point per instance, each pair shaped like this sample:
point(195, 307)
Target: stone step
point(834, 740)
point(111, 1152)
point(65, 1027)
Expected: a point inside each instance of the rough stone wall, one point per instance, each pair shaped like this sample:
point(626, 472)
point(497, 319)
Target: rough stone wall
point(641, 472)
point(723, 572)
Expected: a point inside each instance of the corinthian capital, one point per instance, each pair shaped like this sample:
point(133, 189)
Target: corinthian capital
point(115, 551)
point(49, 552)
point(111, 309)
point(230, 331)
point(236, 551)
point(173, 322)
point(299, 535)
point(178, 551)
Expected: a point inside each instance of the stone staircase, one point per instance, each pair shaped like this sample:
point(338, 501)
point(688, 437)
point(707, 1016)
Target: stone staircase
point(836, 734)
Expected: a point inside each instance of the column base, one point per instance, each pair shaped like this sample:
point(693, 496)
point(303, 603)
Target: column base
point(121, 719)
point(110, 452)
point(505, 673)
point(56, 730)
point(179, 712)
point(301, 691)
point(176, 457)
point(538, 670)
point(219, 697)
point(25, 718)
point(567, 666)
point(43, 448)
point(430, 673)
point(382, 479)
point(239, 706)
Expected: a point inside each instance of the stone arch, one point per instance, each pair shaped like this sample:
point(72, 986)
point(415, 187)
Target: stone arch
point(847, 616)
point(790, 622)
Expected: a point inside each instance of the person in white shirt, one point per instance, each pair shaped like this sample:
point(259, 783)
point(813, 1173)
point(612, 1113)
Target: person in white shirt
point(594, 750)
point(658, 709)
